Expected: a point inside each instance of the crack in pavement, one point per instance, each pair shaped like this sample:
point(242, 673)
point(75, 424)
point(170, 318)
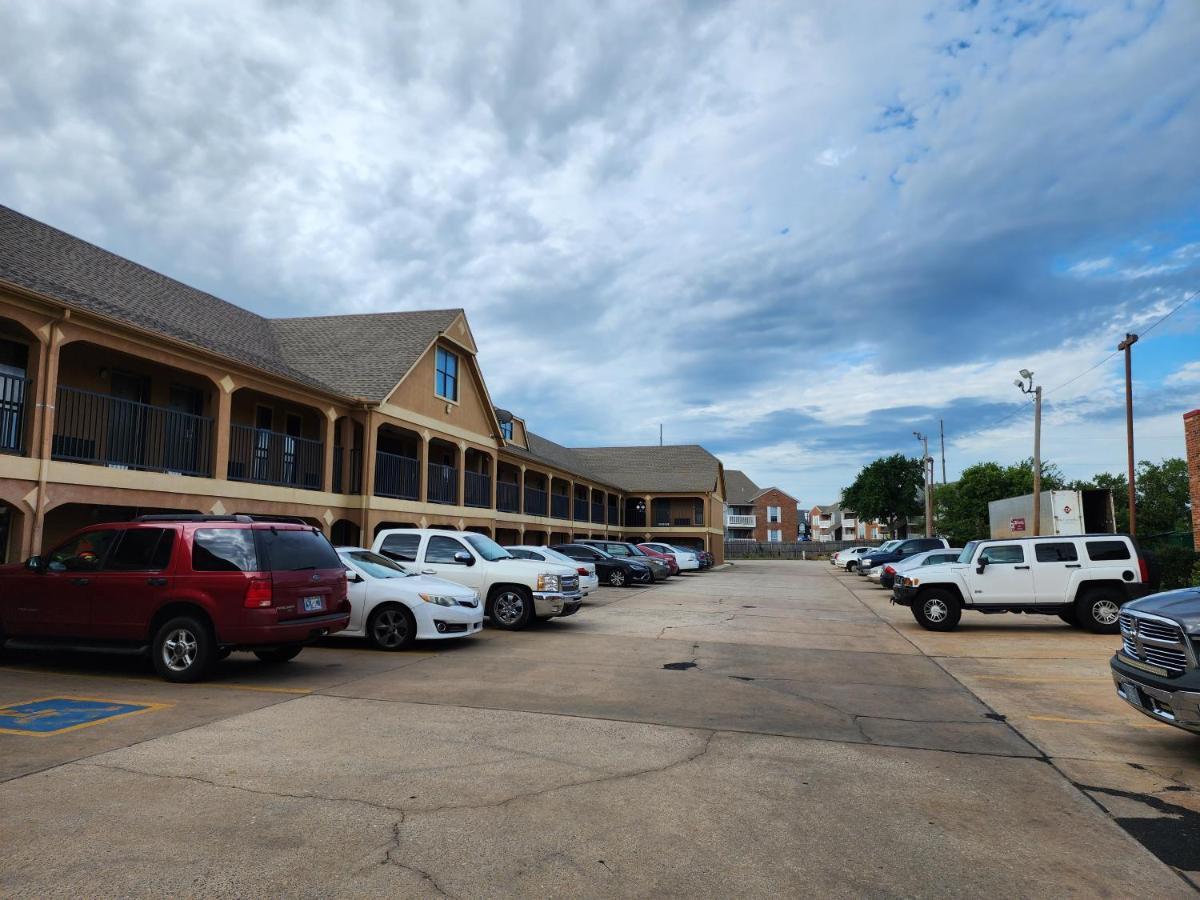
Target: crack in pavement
point(389, 859)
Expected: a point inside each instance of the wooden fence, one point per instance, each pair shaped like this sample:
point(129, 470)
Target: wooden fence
point(782, 550)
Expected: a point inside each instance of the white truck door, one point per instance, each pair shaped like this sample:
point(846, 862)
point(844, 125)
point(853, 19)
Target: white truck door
point(1067, 507)
point(1054, 562)
point(438, 558)
point(1006, 579)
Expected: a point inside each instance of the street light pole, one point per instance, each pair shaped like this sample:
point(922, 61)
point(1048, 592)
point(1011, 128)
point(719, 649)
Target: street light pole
point(1127, 346)
point(1026, 386)
point(927, 474)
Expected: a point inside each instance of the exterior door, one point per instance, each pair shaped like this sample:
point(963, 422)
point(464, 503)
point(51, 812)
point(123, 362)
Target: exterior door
point(1007, 578)
point(438, 559)
point(181, 436)
point(1054, 562)
point(59, 600)
point(263, 417)
point(292, 428)
point(132, 584)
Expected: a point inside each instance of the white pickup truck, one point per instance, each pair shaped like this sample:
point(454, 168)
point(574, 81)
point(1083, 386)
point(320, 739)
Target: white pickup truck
point(1083, 579)
point(514, 590)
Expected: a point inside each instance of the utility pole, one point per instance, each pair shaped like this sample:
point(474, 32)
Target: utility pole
point(660, 434)
point(942, 434)
point(1026, 386)
point(1127, 346)
point(927, 474)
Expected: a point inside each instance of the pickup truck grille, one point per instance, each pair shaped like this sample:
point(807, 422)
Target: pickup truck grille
point(570, 584)
point(1154, 642)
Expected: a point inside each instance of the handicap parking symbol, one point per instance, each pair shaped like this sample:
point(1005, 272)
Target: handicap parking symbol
point(54, 715)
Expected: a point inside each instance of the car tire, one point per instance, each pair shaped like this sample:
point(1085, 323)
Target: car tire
point(391, 627)
point(616, 578)
point(1067, 614)
point(183, 649)
point(1097, 610)
point(851, 566)
point(279, 655)
point(937, 610)
point(510, 608)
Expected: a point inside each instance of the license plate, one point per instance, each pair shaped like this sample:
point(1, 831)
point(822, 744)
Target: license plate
point(313, 604)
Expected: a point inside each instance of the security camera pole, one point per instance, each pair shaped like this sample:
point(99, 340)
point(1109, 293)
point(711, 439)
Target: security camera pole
point(927, 474)
point(1127, 346)
point(1027, 387)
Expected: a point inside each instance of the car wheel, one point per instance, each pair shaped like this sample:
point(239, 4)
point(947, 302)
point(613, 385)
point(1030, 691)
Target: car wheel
point(616, 578)
point(850, 566)
point(183, 649)
point(279, 654)
point(391, 628)
point(511, 608)
point(1098, 611)
point(937, 610)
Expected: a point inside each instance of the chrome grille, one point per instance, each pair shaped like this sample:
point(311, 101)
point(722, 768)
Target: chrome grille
point(1154, 642)
point(570, 583)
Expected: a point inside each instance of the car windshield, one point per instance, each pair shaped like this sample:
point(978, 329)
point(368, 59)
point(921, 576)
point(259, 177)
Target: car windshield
point(486, 547)
point(374, 565)
point(968, 552)
point(888, 546)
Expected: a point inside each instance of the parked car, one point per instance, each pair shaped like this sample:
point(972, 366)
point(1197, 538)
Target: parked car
point(588, 581)
point(1083, 579)
point(1155, 670)
point(686, 560)
point(707, 560)
point(863, 564)
point(669, 559)
point(892, 572)
point(515, 591)
point(618, 572)
point(848, 558)
point(392, 607)
point(624, 549)
point(186, 589)
point(901, 549)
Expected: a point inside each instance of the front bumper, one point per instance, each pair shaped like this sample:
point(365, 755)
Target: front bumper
point(902, 594)
point(1165, 700)
point(554, 603)
point(436, 623)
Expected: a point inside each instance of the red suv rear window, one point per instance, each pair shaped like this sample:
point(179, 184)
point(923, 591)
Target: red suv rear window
point(294, 551)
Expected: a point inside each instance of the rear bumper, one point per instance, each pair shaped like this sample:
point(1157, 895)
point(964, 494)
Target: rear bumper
point(588, 583)
point(1166, 700)
point(294, 631)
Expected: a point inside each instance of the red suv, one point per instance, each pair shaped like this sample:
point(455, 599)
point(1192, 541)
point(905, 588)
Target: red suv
point(190, 589)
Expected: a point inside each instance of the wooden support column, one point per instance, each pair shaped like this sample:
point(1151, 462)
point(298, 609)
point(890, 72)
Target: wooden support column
point(45, 438)
point(423, 468)
point(521, 495)
point(462, 473)
point(223, 416)
point(495, 477)
point(327, 463)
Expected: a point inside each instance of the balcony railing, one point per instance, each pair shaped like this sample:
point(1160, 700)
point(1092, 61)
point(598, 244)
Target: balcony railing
point(614, 514)
point(678, 521)
point(508, 496)
point(396, 476)
point(355, 480)
point(560, 506)
point(479, 490)
point(535, 502)
point(124, 434)
point(443, 484)
point(581, 510)
point(733, 521)
point(273, 457)
point(597, 512)
point(13, 391)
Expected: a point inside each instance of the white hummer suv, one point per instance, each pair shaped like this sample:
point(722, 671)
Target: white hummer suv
point(1083, 579)
point(514, 590)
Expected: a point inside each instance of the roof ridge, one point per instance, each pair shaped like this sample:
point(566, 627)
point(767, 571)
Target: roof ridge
point(363, 315)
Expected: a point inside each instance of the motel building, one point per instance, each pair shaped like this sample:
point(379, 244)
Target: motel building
point(124, 392)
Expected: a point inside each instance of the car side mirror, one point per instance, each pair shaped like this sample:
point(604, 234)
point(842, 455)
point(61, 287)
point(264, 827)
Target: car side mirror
point(464, 558)
point(35, 564)
point(354, 578)
point(983, 564)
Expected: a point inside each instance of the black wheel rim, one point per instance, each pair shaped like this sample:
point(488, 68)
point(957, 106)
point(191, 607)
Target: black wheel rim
point(508, 608)
point(390, 629)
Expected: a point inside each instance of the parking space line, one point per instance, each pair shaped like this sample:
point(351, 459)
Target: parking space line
point(200, 684)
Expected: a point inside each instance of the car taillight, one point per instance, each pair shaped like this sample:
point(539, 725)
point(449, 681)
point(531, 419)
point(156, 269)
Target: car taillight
point(259, 593)
point(1143, 570)
point(581, 570)
point(889, 570)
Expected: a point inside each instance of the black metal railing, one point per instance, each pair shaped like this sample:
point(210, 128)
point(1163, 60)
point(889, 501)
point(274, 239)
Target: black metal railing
point(560, 506)
point(338, 458)
point(443, 484)
point(13, 391)
point(535, 502)
point(614, 514)
point(581, 509)
point(355, 479)
point(597, 512)
point(397, 476)
point(479, 490)
point(356, 470)
point(273, 457)
point(635, 518)
point(108, 431)
point(508, 496)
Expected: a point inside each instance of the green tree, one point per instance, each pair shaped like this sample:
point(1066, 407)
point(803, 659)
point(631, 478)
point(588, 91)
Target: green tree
point(887, 489)
point(962, 507)
point(1163, 501)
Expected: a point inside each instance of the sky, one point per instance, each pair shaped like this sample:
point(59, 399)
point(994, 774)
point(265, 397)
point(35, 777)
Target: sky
point(794, 233)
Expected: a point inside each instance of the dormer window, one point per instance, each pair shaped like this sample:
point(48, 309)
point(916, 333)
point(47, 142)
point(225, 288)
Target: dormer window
point(506, 430)
point(446, 381)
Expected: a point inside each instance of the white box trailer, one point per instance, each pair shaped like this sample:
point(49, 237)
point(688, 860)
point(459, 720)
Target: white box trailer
point(1063, 512)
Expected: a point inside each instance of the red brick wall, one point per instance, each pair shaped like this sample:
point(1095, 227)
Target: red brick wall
point(788, 520)
point(1191, 433)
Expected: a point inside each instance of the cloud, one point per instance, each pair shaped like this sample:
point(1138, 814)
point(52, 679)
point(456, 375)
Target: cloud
point(1187, 374)
point(605, 189)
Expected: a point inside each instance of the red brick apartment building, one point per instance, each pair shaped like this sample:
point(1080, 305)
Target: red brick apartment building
point(767, 515)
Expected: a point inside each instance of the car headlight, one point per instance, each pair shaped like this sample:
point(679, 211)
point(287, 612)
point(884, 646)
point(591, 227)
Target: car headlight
point(549, 583)
point(475, 597)
point(438, 599)
point(913, 582)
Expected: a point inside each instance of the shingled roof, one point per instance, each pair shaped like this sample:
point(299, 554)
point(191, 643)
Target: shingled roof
point(739, 489)
point(354, 356)
point(673, 468)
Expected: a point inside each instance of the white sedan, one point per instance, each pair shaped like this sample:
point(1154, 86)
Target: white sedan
point(687, 560)
point(847, 559)
point(392, 607)
point(588, 581)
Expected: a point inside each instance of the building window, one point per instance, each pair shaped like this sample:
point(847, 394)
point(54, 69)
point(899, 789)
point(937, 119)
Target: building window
point(774, 535)
point(506, 430)
point(446, 384)
point(773, 513)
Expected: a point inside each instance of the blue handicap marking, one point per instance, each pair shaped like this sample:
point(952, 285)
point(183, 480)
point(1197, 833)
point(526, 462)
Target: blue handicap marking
point(57, 714)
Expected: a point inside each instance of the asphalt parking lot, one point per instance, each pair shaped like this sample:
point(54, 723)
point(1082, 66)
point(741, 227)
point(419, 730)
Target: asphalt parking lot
point(769, 728)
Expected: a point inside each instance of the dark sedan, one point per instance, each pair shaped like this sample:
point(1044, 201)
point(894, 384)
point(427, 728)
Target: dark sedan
point(609, 569)
point(626, 550)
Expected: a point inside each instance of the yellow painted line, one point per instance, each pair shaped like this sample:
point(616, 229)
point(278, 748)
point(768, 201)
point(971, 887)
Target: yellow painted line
point(198, 684)
point(1092, 722)
point(147, 707)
